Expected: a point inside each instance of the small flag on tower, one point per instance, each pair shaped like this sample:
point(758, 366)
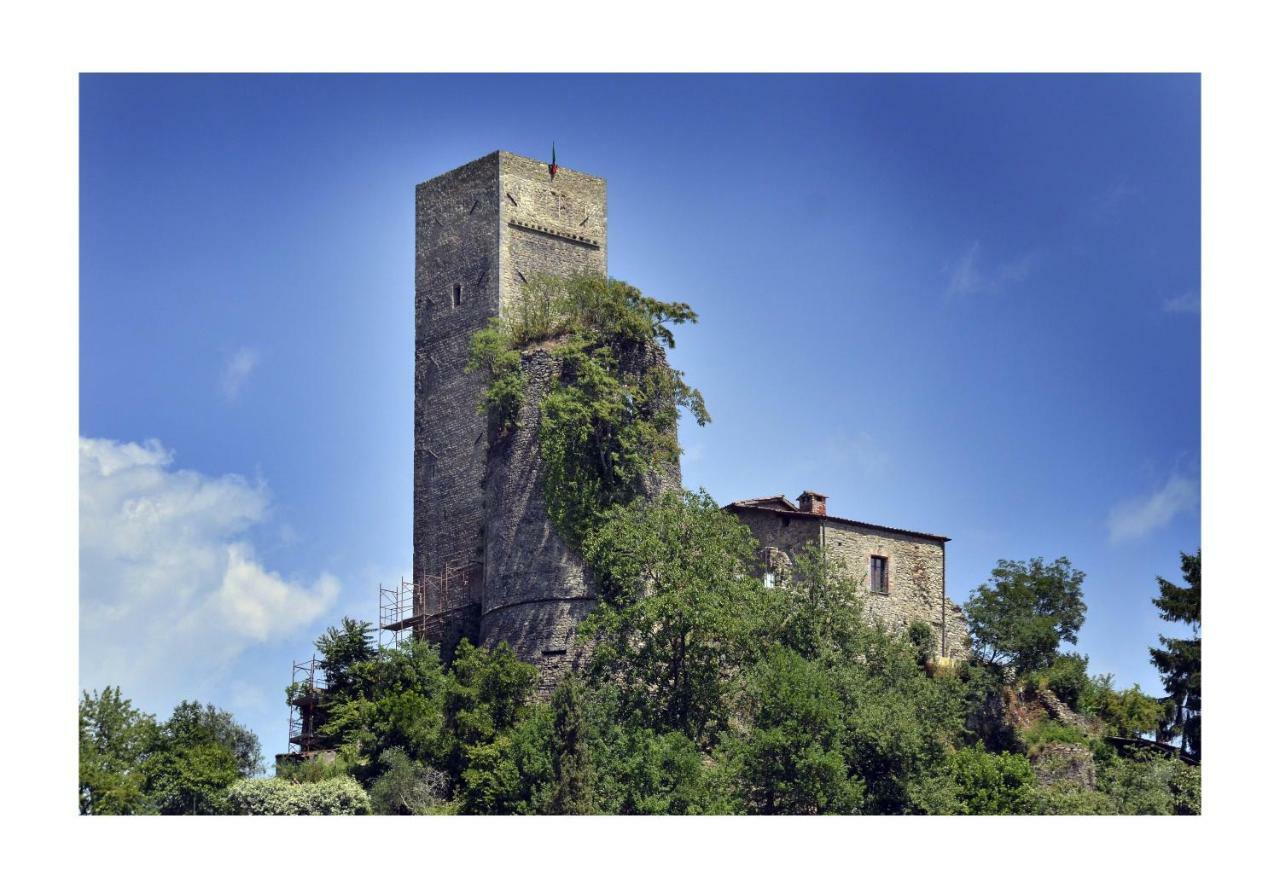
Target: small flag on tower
point(553, 166)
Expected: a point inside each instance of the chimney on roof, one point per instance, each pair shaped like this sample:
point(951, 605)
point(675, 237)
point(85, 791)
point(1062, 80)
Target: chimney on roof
point(814, 503)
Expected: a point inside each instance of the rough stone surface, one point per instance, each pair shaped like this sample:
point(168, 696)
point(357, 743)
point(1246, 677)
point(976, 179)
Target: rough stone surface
point(1064, 763)
point(916, 566)
point(1059, 710)
point(482, 231)
point(537, 589)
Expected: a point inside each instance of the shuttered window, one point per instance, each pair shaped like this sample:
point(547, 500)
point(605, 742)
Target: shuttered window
point(879, 575)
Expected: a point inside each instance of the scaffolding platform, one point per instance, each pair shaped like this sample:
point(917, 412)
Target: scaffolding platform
point(306, 690)
point(422, 609)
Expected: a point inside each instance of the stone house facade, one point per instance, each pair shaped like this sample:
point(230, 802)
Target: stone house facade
point(902, 573)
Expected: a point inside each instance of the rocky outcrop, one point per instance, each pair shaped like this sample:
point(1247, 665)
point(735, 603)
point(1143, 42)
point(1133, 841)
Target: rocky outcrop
point(1064, 764)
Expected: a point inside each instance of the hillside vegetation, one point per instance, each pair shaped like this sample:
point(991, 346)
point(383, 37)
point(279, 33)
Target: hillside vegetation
point(707, 691)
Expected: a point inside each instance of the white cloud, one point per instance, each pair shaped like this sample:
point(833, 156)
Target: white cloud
point(964, 274)
point(237, 370)
point(171, 593)
point(1187, 303)
point(1135, 518)
point(969, 277)
point(1107, 204)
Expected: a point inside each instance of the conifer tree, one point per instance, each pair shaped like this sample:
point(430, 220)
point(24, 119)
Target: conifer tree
point(571, 752)
point(1178, 659)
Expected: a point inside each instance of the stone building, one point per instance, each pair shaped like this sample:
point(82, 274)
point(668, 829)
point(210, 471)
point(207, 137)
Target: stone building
point(902, 572)
point(487, 563)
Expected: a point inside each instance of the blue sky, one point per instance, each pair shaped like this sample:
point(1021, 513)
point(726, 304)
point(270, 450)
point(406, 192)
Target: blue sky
point(963, 304)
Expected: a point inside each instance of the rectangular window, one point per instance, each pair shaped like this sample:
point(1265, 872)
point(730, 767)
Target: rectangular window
point(457, 295)
point(768, 579)
point(879, 575)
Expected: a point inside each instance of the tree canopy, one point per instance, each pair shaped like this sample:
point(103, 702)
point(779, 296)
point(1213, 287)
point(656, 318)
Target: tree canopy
point(1025, 610)
point(1178, 659)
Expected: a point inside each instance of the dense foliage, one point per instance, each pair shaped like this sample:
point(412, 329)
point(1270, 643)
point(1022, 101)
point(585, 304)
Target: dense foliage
point(1178, 659)
point(337, 795)
point(608, 422)
point(1020, 616)
point(707, 691)
point(129, 764)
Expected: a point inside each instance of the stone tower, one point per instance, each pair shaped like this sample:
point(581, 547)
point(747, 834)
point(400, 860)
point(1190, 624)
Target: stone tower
point(483, 229)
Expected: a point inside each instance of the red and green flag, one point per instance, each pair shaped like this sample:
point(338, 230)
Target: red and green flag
point(553, 168)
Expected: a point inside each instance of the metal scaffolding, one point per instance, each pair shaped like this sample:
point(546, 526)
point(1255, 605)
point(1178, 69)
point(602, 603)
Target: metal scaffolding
point(305, 690)
point(407, 610)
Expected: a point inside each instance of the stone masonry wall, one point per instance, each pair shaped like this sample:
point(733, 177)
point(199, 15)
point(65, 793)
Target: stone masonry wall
point(537, 590)
point(548, 226)
point(916, 589)
point(457, 223)
point(915, 572)
point(482, 230)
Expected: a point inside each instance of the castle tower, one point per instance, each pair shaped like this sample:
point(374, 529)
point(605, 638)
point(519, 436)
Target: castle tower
point(482, 231)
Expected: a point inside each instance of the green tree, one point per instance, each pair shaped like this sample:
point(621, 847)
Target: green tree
point(406, 786)
point(817, 611)
point(1178, 659)
point(572, 768)
point(1126, 713)
point(793, 758)
point(1148, 783)
point(1020, 616)
point(608, 422)
point(681, 612)
point(640, 770)
point(394, 700)
point(900, 724)
point(991, 783)
point(1067, 677)
point(199, 752)
point(115, 742)
point(343, 650)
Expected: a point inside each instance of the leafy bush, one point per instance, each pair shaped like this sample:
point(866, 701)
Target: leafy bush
point(1151, 783)
point(1127, 713)
point(991, 783)
point(406, 786)
point(1067, 677)
point(312, 768)
point(920, 634)
point(1047, 731)
point(608, 422)
point(1066, 799)
point(793, 759)
point(274, 796)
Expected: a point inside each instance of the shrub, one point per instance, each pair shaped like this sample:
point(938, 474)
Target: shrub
point(1127, 713)
point(991, 783)
point(1067, 677)
point(1149, 783)
point(920, 634)
point(1045, 731)
point(1065, 799)
point(406, 786)
point(274, 796)
point(609, 420)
